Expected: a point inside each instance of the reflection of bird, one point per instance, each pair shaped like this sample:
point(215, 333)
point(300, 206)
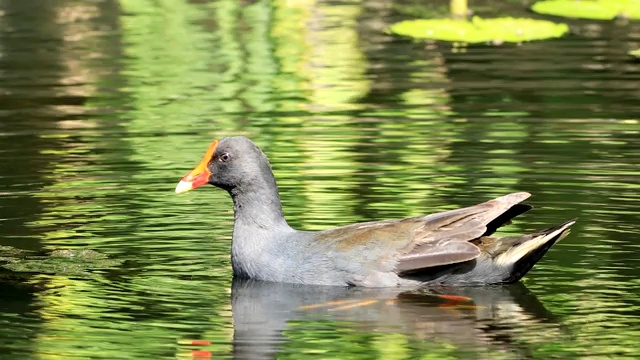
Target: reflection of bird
point(266, 316)
point(448, 247)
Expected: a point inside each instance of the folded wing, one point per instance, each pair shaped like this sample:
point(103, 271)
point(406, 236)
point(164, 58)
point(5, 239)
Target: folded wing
point(443, 238)
point(412, 244)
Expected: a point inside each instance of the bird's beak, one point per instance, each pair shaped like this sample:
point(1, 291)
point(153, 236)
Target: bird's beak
point(200, 174)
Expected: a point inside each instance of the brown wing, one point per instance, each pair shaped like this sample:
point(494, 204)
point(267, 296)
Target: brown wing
point(436, 253)
point(444, 237)
point(412, 244)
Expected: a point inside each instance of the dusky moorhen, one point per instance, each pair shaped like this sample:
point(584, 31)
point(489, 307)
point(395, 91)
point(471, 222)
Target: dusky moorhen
point(452, 247)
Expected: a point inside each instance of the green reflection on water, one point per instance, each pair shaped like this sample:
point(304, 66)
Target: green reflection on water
point(347, 144)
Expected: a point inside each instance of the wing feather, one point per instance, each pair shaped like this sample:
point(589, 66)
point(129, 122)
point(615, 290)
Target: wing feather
point(410, 245)
point(436, 254)
point(444, 238)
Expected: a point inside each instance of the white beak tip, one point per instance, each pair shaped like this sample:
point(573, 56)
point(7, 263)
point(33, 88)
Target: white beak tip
point(183, 186)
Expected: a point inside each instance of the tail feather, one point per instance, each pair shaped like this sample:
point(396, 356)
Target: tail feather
point(523, 252)
point(505, 218)
point(501, 260)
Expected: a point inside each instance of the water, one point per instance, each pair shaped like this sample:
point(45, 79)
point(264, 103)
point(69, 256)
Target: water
point(106, 105)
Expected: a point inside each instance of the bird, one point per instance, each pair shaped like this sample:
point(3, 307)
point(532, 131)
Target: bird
point(455, 247)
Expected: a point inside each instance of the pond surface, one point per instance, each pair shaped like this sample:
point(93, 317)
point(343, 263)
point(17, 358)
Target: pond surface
point(105, 105)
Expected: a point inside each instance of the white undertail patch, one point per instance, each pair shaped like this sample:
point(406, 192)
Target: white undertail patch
point(514, 254)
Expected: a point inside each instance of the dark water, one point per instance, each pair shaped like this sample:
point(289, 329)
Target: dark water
point(105, 105)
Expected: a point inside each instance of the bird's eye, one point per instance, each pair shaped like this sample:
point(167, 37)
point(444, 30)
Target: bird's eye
point(225, 157)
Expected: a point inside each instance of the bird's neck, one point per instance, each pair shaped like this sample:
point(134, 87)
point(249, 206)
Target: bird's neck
point(257, 206)
point(259, 227)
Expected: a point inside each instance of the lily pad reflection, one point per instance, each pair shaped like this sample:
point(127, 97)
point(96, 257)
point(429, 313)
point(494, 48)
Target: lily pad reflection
point(478, 30)
point(593, 9)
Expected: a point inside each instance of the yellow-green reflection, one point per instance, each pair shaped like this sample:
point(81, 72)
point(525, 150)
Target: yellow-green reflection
point(354, 133)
